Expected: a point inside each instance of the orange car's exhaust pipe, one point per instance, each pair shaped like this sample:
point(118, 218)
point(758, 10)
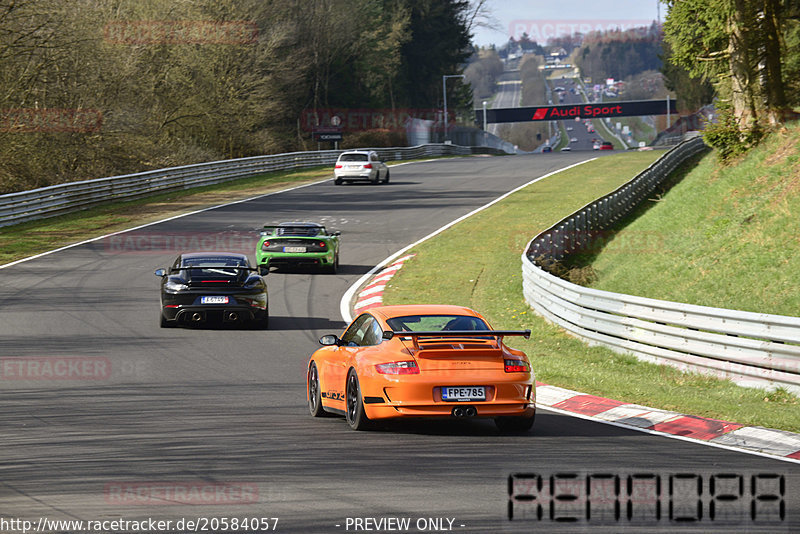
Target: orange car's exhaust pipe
point(465, 411)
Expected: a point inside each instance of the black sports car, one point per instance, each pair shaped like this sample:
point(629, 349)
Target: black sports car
point(222, 287)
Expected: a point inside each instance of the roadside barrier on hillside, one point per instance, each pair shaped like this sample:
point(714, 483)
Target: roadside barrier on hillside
point(69, 197)
point(752, 349)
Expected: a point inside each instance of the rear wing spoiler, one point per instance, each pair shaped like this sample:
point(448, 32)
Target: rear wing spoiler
point(389, 334)
point(229, 267)
point(269, 229)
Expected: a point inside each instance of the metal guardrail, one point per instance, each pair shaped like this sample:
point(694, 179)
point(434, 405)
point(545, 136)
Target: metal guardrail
point(65, 198)
point(752, 349)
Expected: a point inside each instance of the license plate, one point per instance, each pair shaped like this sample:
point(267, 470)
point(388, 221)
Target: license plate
point(464, 393)
point(352, 167)
point(213, 300)
point(294, 249)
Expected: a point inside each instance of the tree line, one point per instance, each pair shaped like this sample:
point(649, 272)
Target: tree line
point(619, 54)
point(173, 82)
point(749, 52)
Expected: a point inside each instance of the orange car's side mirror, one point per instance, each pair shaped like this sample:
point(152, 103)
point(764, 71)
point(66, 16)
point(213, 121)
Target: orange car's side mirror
point(329, 340)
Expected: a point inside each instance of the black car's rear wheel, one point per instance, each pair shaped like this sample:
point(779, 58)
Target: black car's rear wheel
point(263, 323)
point(356, 416)
point(314, 393)
point(164, 323)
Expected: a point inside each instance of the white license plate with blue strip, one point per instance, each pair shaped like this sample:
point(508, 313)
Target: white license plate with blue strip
point(464, 393)
point(213, 300)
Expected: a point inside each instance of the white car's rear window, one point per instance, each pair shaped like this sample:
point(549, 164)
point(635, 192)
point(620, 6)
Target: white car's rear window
point(353, 157)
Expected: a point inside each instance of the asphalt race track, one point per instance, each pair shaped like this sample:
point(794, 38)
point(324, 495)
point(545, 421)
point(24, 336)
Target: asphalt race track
point(216, 418)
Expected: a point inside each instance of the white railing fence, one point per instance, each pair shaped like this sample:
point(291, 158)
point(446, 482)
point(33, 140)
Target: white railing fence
point(65, 198)
point(752, 349)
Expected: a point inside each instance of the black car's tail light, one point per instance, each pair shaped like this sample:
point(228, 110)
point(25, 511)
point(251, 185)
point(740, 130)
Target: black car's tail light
point(175, 285)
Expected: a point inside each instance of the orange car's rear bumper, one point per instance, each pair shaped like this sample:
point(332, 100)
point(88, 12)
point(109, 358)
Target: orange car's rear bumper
point(483, 410)
point(506, 394)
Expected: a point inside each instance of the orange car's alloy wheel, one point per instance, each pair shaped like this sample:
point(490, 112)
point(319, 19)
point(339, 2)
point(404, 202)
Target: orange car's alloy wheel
point(314, 393)
point(356, 417)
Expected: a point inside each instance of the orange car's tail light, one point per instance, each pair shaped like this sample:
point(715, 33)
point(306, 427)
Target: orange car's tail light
point(398, 368)
point(516, 366)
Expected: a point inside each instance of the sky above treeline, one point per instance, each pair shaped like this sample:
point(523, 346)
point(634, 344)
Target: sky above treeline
point(543, 19)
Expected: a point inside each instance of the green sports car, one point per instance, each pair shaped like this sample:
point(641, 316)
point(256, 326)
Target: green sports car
point(297, 243)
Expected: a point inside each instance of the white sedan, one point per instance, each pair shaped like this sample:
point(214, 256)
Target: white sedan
point(360, 165)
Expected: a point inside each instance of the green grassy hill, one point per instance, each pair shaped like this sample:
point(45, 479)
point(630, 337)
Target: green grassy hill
point(724, 236)
point(488, 279)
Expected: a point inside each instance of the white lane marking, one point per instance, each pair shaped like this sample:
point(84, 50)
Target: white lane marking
point(98, 238)
point(344, 304)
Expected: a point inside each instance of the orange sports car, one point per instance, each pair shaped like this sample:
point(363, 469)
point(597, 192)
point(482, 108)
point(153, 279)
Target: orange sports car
point(422, 361)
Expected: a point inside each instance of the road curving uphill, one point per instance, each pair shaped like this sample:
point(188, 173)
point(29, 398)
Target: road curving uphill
point(212, 422)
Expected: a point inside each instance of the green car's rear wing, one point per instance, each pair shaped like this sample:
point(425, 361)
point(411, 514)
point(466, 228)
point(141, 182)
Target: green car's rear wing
point(296, 231)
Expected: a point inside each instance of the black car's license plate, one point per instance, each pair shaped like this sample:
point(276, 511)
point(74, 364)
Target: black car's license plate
point(214, 300)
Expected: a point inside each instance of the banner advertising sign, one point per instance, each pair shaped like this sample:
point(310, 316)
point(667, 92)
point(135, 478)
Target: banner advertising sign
point(573, 111)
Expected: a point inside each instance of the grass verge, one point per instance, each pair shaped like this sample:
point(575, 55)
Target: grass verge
point(29, 238)
point(488, 278)
point(743, 234)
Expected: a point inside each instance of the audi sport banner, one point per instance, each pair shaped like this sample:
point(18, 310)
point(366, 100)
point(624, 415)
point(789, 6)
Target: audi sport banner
point(572, 111)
